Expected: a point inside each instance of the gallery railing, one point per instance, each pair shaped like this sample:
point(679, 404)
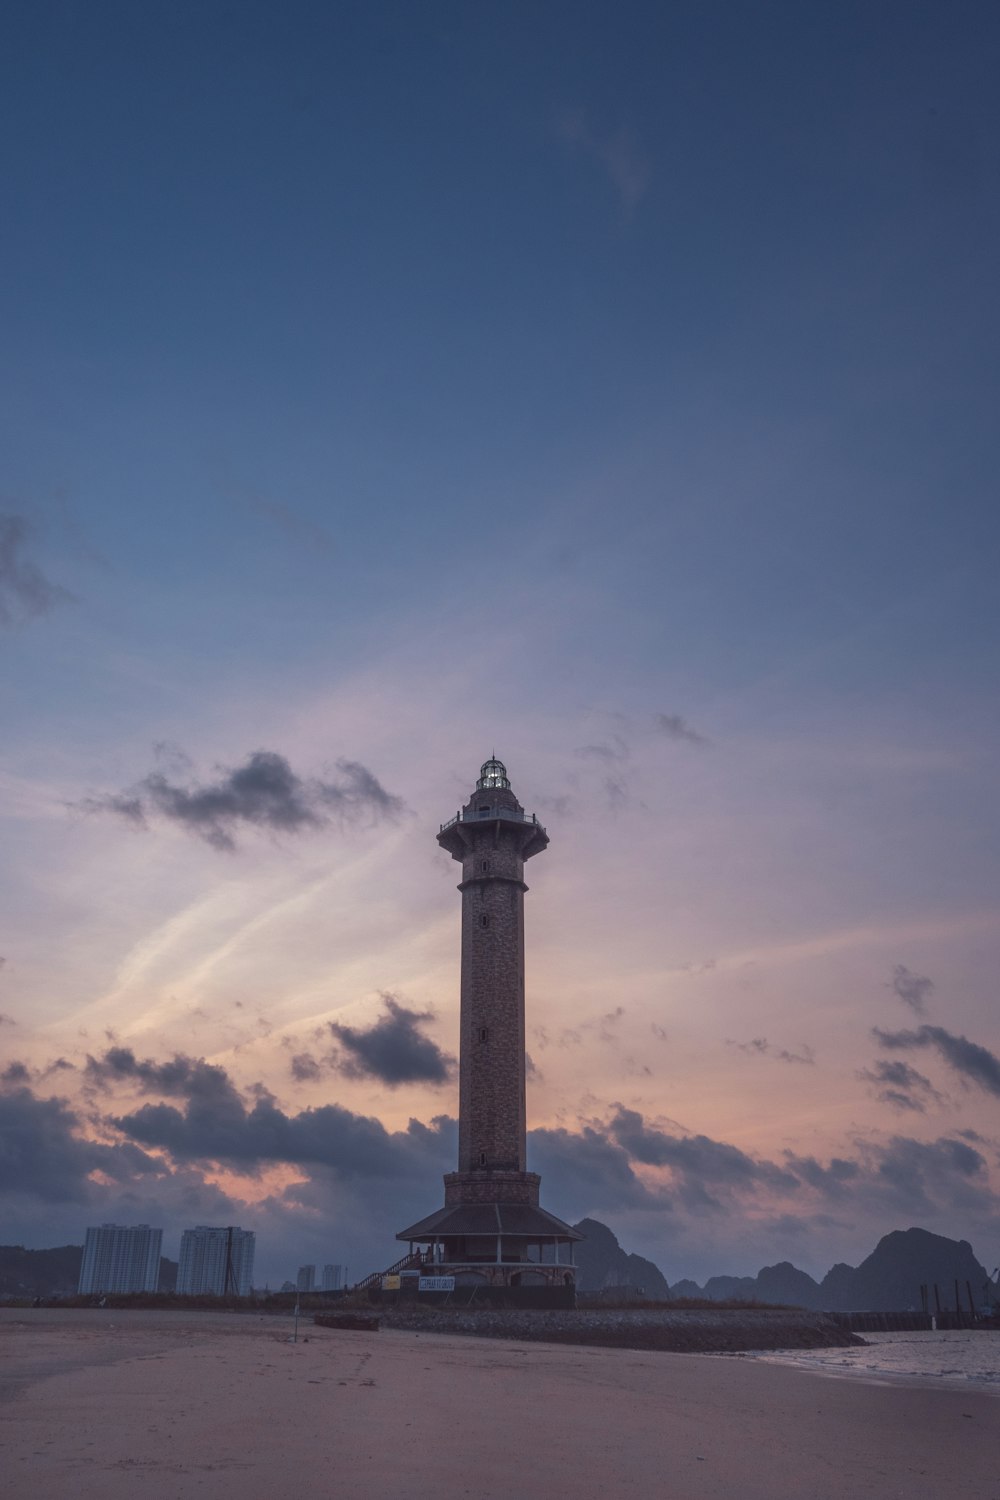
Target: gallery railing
point(486, 813)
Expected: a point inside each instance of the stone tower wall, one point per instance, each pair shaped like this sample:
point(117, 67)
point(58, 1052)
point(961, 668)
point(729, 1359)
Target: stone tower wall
point(491, 1103)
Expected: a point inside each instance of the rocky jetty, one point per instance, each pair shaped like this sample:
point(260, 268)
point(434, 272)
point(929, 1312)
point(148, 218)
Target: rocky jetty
point(705, 1331)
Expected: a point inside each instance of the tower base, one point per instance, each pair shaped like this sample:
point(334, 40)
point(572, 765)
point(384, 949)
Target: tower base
point(492, 1237)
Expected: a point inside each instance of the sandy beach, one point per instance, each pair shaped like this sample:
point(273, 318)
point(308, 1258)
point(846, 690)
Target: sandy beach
point(110, 1404)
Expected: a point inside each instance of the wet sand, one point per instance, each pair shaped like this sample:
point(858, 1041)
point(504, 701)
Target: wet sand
point(111, 1405)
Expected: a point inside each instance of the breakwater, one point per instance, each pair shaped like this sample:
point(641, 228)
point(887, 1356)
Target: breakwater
point(705, 1331)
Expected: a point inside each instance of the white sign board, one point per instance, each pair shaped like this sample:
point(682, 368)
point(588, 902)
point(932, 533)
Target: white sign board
point(436, 1284)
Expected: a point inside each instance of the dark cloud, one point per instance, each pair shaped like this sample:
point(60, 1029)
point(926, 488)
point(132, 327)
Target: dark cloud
point(262, 793)
point(760, 1046)
point(676, 728)
point(7, 1020)
point(19, 1072)
point(899, 1085)
point(973, 1063)
point(153, 1162)
point(832, 1181)
point(24, 590)
point(181, 1077)
point(244, 1137)
point(698, 1162)
point(923, 1173)
point(42, 1155)
point(393, 1050)
point(913, 989)
point(903, 1179)
point(304, 1068)
point(584, 1169)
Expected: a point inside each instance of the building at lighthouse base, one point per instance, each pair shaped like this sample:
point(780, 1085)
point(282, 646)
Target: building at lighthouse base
point(493, 1241)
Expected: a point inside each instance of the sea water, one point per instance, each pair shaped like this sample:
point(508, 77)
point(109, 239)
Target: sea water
point(964, 1359)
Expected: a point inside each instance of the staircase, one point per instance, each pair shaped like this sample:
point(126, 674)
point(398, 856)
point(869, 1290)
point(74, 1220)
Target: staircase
point(408, 1263)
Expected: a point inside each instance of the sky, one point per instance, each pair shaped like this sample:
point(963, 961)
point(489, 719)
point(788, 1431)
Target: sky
point(612, 387)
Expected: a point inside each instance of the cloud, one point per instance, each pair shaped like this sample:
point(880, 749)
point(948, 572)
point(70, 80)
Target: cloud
point(24, 590)
point(697, 1161)
point(762, 1047)
point(899, 1085)
point(973, 1063)
point(244, 1137)
point(913, 989)
point(832, 1181)
point(608, 755)
point(584, 1169)
point(182, 1077)
point(17, 1072)
point(393, 1049)
point(921, 1173)
point(44, 1157)
point(155, 1162)
point(619, 154)
point(573, 1036)
point(303, 1068)
point(262, 793)
point(676, 728)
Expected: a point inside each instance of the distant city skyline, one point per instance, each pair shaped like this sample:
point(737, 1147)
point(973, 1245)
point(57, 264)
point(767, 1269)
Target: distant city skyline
point(614, 388)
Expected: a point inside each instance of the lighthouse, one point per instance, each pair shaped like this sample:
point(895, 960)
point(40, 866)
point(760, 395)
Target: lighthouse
point(491, 1235)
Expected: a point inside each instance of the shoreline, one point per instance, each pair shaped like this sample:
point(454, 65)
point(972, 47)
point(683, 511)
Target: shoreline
point(100, 1404)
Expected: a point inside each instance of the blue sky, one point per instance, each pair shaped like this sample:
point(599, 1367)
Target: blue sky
point(614, 385)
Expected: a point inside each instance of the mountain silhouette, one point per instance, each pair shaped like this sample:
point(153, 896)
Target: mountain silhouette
point(888, 1280)
point(602, 1264)
point(903, 1261)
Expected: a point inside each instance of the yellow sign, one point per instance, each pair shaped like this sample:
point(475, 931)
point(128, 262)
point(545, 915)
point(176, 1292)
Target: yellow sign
point(390, 1283)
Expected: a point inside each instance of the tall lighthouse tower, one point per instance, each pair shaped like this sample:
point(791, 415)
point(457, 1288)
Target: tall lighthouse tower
point(491, 1231)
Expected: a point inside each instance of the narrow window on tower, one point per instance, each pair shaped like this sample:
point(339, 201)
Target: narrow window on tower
point(484, 1033)
point(484, 920)
point(482, 1158)
point(485, 867)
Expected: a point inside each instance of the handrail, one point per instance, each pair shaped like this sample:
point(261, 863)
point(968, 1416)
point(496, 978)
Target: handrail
point(414, 1259)
point(480, 816)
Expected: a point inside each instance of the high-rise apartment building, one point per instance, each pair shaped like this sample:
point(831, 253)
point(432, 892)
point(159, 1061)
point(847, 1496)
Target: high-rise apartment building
point(216, 1261)
point(306, 1279)
point(332, 1276)
point(121, 1258)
